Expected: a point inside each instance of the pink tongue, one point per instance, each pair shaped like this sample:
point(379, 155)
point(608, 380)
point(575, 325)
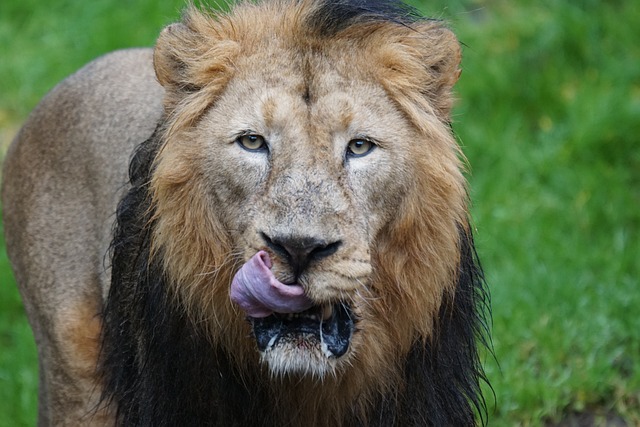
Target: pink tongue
point(256, 290)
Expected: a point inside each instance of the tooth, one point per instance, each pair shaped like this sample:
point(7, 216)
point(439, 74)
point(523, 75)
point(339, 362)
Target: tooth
point(271, 342)
point(327, 311)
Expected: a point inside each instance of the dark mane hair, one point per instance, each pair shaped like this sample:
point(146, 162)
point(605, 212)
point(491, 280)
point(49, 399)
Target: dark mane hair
point(333, 16)
point(158, 367)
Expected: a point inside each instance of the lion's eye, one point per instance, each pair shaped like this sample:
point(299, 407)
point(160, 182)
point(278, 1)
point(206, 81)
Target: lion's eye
point(359, 147)
point(252, 142)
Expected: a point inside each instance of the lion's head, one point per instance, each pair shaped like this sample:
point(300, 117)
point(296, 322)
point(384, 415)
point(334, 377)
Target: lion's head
point(306, 146)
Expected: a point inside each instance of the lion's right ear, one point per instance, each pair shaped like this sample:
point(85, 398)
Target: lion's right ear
point(167, 58)
point(421, 63)
point(194, 59)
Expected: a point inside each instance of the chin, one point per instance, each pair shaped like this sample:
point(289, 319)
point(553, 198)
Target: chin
point(314, 343)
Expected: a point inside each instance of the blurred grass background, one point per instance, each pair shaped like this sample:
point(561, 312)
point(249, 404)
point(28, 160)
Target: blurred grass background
point(549, 117)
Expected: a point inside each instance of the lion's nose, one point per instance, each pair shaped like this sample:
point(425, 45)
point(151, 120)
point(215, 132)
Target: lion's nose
point(299, 251)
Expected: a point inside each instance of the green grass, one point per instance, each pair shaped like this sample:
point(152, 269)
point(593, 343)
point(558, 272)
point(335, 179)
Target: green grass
point(18, 359)
point(549, 116)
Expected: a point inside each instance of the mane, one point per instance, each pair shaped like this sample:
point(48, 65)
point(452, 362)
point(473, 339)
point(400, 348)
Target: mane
point(160, 365)
point(331, 17)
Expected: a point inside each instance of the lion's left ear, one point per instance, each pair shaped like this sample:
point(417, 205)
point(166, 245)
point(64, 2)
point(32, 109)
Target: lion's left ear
point(423, 61)
point(442, 56)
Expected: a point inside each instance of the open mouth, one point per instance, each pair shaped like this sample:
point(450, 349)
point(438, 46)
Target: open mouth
point(331, 325)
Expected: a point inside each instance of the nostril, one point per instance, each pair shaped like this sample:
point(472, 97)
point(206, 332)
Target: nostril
point(324, 251)
point(275, 246)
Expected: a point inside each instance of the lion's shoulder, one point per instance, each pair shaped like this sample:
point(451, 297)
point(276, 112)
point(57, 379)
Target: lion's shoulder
point(84, 132)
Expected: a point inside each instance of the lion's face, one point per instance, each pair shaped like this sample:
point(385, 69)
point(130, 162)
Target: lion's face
point(310, 172)
point(315, 155)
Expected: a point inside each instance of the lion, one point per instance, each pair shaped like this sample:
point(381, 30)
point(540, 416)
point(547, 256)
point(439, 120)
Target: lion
point(263, 221)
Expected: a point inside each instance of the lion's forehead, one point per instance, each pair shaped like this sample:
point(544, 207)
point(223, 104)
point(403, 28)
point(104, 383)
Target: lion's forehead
point(322, 107)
